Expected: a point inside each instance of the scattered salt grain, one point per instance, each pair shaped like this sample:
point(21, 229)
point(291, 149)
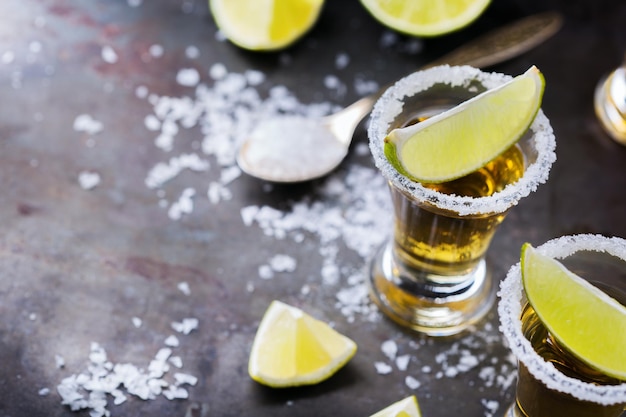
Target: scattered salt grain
point(184, 288)
point(44, 392)
point(156, 50)
point(136, 322)
point(411, 382)
point(389, 349)
point(491, 406)
point(186, 326)
point(109, 55)
point(86, 123)
point(59, 361)
point(342, 60)
point(163, 172)
point(188, 77)
point(382, 368)
point(402, 362)
point(151, 122)
point(184, 205)
point(182, 378)
point(88, 180)
point(172, 341)
point(192, 52)
point(176, 361)
point(32, 316)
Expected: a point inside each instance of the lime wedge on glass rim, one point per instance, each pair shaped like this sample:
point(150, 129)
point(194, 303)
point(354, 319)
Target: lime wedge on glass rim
point(582, 318)
point(466, 137)
point(291, 348)
point(406, 407)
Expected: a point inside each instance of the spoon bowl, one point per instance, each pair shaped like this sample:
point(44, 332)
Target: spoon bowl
point(290, 149)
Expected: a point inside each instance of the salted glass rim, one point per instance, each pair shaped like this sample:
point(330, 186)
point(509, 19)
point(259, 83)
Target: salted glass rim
point(390, 104)
point(509, 311)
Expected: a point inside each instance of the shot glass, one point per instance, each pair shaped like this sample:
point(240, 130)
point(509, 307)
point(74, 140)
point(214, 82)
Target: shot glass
point(432, 275)
point(551, 381)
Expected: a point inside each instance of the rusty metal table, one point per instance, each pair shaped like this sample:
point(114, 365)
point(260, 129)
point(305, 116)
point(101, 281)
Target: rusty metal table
point(91, 252)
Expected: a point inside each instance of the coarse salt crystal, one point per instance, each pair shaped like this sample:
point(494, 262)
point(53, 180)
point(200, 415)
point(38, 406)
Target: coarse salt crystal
point(389, 348)
point(188, 77)
point(186, 326)
point(382, 368)
point(136, 322)
point(109, 55)
point(411, 382)
point(184, 288)
point(86, 123)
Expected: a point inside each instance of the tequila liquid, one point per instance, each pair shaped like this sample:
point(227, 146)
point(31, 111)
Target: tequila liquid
point(534, 399)
point(443, 243)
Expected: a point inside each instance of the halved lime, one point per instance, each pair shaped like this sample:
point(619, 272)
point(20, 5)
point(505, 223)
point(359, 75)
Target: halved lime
point(292, 348)
point(425, 17)
point(407, 407)
point(466, 137)
point(265, 24)
point(582, 318)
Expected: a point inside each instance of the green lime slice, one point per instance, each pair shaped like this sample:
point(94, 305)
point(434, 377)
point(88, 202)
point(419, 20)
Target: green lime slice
point(582, 318)
point(466, 137)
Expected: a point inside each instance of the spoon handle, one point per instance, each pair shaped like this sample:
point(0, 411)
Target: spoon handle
point(504, 43)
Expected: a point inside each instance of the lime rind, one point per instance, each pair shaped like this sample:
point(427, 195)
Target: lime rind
point(390, 105)
point(510, 305)
point(454, 152)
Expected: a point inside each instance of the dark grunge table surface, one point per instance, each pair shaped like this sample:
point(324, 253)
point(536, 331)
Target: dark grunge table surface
point(120, 219)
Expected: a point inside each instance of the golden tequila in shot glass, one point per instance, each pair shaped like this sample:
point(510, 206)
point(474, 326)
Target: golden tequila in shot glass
point(552, 381)
point(432, 275)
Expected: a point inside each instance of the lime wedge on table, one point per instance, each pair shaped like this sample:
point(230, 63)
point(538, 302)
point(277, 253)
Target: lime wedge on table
point(464, 138)
point(582, 318)
point(425, 17)
point(292, 348)
point(407, 407)
point(265, 24)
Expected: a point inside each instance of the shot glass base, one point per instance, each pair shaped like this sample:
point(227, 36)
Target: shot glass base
point(431, 309)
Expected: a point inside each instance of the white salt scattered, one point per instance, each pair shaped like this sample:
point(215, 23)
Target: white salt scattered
point(8, 57)
point(184, 205)
point(184, 288)
point(152, 122)
point(411, 382)
point(163, 172)
point(156, 50)
point(32, 316)
point(389, 349)
point(491, 406)
point(88, 180)
point(186, 326)
point(182, 378)
point(59, 361)
point(192, 52)
point(86, 123)
point(382, 368)
point(402, 362)
point(137, 322)
point(173, 393)
point(218, 71)
point(176, 361)
point(44, 392)
point(283, 263)
point(188, 77)
point(108, 54)
point(342, 60)
point(172, 341)
point(266, 272)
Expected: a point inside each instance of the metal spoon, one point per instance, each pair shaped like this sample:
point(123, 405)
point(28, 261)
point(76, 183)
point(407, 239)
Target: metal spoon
point(290, 149)
point(610, 103)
